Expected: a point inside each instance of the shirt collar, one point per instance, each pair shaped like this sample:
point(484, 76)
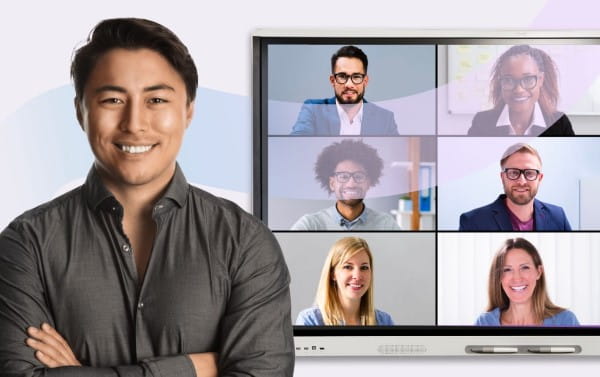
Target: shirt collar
point(342, 113)
point(97, 195)
point(342, 221)
point(538, 120)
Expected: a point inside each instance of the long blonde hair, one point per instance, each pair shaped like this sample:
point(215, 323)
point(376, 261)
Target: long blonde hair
point(542, 305)
point(327, 293)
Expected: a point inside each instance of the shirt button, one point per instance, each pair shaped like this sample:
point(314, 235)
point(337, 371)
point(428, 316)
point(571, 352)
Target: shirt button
point(126, 248)
point(140, 305)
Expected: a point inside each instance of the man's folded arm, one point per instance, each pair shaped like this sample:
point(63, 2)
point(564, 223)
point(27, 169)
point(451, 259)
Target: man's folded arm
point(23, 304)
point(256, 336)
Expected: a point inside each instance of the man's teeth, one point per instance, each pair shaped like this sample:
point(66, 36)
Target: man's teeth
point(519, 288)
point(135, 148)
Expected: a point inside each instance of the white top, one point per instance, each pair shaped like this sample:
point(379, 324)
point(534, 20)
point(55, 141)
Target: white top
point(538, 120)
point(348, 127)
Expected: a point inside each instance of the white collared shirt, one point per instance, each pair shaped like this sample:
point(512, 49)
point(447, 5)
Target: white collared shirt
point(537, 120)
point(348, 127)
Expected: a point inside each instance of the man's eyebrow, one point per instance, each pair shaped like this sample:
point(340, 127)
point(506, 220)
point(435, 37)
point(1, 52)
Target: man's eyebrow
point(120, 89)
point(109, 88)
point(158, 87)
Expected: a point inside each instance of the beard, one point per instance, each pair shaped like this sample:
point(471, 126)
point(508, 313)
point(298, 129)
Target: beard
point(520, 198)
point(343, 101)
point(351, 202)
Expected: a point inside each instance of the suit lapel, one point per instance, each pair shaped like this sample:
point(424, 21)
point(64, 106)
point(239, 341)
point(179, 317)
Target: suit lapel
point(366, 119)
point(501, 216)
point(333, 118)
point(539, 215)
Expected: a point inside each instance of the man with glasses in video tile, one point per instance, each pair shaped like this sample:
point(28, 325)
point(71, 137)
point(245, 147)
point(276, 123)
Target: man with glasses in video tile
point(348, 113)
point(517, 209)
point(348, 169)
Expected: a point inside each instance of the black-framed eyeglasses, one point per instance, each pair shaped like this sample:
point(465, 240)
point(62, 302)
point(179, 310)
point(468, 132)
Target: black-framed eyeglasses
point(513, 174)
point(526, 82)
point(342, 78)
point(344, 176)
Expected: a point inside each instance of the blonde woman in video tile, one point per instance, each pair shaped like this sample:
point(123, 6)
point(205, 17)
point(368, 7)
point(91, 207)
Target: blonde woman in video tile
point(345, 292)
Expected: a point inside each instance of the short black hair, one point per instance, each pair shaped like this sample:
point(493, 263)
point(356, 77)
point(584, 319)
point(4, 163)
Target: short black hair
point(131, 34)
point(348, 150)
point(349, 52)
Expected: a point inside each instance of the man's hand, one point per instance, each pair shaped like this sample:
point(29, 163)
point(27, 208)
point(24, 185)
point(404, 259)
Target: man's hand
point(205, 364)
point(51, 349)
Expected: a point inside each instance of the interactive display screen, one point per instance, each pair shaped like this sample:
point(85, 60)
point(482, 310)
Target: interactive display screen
point(432, 185)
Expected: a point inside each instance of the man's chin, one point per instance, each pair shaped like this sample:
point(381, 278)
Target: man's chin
point(520, 200)
point(351, 202)
point(349, 101)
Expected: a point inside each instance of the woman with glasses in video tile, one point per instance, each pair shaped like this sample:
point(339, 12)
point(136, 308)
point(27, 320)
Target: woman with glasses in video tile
point(517, 290)
point(524, 92)
point(345, 292)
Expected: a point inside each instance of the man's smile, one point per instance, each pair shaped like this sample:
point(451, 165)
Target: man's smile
point(135, 149)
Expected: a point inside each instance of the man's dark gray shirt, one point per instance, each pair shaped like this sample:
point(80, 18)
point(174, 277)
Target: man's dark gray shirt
point(216, 281)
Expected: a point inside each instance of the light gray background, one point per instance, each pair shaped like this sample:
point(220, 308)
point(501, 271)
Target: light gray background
point(401, 79)
point(403, 269)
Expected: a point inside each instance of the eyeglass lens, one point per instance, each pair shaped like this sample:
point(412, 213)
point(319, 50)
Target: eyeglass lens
point(344, 176)
point(527, 82)
point(514, 174)
point(342, 78)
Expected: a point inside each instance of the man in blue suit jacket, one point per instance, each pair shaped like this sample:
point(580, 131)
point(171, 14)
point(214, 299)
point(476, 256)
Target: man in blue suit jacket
point(320, 117)
point(496, 216)
point(348, 113)
point(517, 209)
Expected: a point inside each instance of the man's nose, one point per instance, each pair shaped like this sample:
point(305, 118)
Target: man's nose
point(134, 117)
point(521, 178)
point(350, 84)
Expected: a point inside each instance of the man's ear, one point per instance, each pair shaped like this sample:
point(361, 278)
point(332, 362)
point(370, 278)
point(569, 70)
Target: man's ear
point(77, 104)
point(190, 113)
